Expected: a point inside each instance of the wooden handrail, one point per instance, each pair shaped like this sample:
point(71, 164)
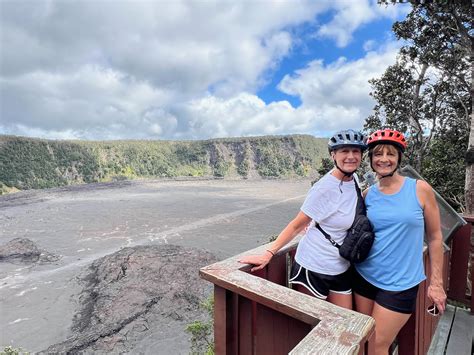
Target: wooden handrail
point(335, 329)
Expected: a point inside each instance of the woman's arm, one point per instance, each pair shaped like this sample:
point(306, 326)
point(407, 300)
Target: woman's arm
point(435, 243)
point(291, 231)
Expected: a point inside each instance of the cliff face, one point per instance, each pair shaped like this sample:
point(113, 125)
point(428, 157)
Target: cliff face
point(29, 163)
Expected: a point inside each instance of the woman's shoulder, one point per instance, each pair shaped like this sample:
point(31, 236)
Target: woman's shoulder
point(424, 191)
point(325, 189)
point(423, 187)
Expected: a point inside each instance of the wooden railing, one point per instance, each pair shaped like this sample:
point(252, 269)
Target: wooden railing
point(256, 313)
point(462, 249)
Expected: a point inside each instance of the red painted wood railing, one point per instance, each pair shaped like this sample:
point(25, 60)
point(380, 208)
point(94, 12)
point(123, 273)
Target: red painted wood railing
point(256, 313)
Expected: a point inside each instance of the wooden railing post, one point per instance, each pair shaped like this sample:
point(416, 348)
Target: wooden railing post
point(460, 249)
point(224, 340)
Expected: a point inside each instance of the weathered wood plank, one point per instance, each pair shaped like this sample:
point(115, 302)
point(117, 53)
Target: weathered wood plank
point(245, 326)
point(336, 329)
point(265, 332)
point(276, 270)
point(462, 332)
point(297, 331)
point(440, 338)
point(460, 247)
point(222, 333)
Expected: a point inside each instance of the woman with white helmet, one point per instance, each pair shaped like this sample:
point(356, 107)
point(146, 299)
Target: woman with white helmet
point(402, 211)
point(331, 202)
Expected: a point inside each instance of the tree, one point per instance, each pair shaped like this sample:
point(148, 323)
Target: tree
point(469, 185)
point(326, 165)
point(427, 93)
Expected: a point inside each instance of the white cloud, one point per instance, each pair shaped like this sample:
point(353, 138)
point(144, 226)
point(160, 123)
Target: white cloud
point(369, 45)
point(175, 69)
point(339, 91)
point(242, 115)
point(350, 15)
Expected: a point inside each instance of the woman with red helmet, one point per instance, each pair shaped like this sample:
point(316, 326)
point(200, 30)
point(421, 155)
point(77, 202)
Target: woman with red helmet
point(331, 202)
point(402, 211)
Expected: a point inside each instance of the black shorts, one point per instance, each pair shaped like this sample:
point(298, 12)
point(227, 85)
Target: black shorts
point(397, 301)
point(320, 284)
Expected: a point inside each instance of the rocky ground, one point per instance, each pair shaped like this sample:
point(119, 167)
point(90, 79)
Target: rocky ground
point(131, 295)
point(127, 296)
point(25, 251)
point(113, 268)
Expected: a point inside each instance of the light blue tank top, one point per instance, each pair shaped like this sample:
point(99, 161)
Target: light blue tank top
point(395, 262)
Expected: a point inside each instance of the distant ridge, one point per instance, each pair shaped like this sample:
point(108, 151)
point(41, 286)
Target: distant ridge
point(32, 163)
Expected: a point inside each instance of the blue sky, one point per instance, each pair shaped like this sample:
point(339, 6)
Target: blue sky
point(194, 69)
point(377, 31)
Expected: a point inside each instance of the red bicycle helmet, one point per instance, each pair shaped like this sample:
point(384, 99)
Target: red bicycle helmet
point(387, 136)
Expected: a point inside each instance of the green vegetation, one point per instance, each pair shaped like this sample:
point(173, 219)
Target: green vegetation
point(427, 93)
point(29, 163)
point(202, 341)
point(10, 350)
point(326, 165)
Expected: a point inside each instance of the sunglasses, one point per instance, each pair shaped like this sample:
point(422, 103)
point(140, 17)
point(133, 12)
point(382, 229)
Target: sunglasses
point(433, 310)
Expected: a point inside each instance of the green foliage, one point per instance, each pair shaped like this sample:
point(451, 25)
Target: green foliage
point(426, 93)
point(9, 350)
point(273, 160)
point(202, 341)
point(32, 163)
point(220, 166)
point(326, 165)
point(243, 167)
point(28, 163)
point(444, 166)
point(5, 189)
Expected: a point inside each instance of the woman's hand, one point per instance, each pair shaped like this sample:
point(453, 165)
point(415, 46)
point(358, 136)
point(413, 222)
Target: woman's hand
point(260, 261)
point(438, 296)
point(291, 230)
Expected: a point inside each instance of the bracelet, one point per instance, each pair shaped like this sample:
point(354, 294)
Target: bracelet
point(273, 254)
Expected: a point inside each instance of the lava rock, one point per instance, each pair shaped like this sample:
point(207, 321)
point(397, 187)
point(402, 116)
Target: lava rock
point(23, 250)
point(128, 296)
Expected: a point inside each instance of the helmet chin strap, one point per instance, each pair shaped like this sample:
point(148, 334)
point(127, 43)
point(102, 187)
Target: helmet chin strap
point(348, 174)
point(387, 175)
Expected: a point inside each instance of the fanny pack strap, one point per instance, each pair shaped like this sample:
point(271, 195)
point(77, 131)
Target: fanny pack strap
point(327, 236)
point(360, 209)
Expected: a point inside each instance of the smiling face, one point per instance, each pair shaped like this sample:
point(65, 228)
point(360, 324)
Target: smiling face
point(384, 159)
point(347, 158)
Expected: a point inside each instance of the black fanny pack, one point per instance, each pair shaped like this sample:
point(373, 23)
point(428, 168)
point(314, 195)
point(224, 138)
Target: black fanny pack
point(360, 236)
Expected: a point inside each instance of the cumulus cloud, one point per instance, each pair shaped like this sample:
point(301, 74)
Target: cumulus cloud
point(242, 115)
point(351, 15)
point(172, 70)
point(339, 91)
